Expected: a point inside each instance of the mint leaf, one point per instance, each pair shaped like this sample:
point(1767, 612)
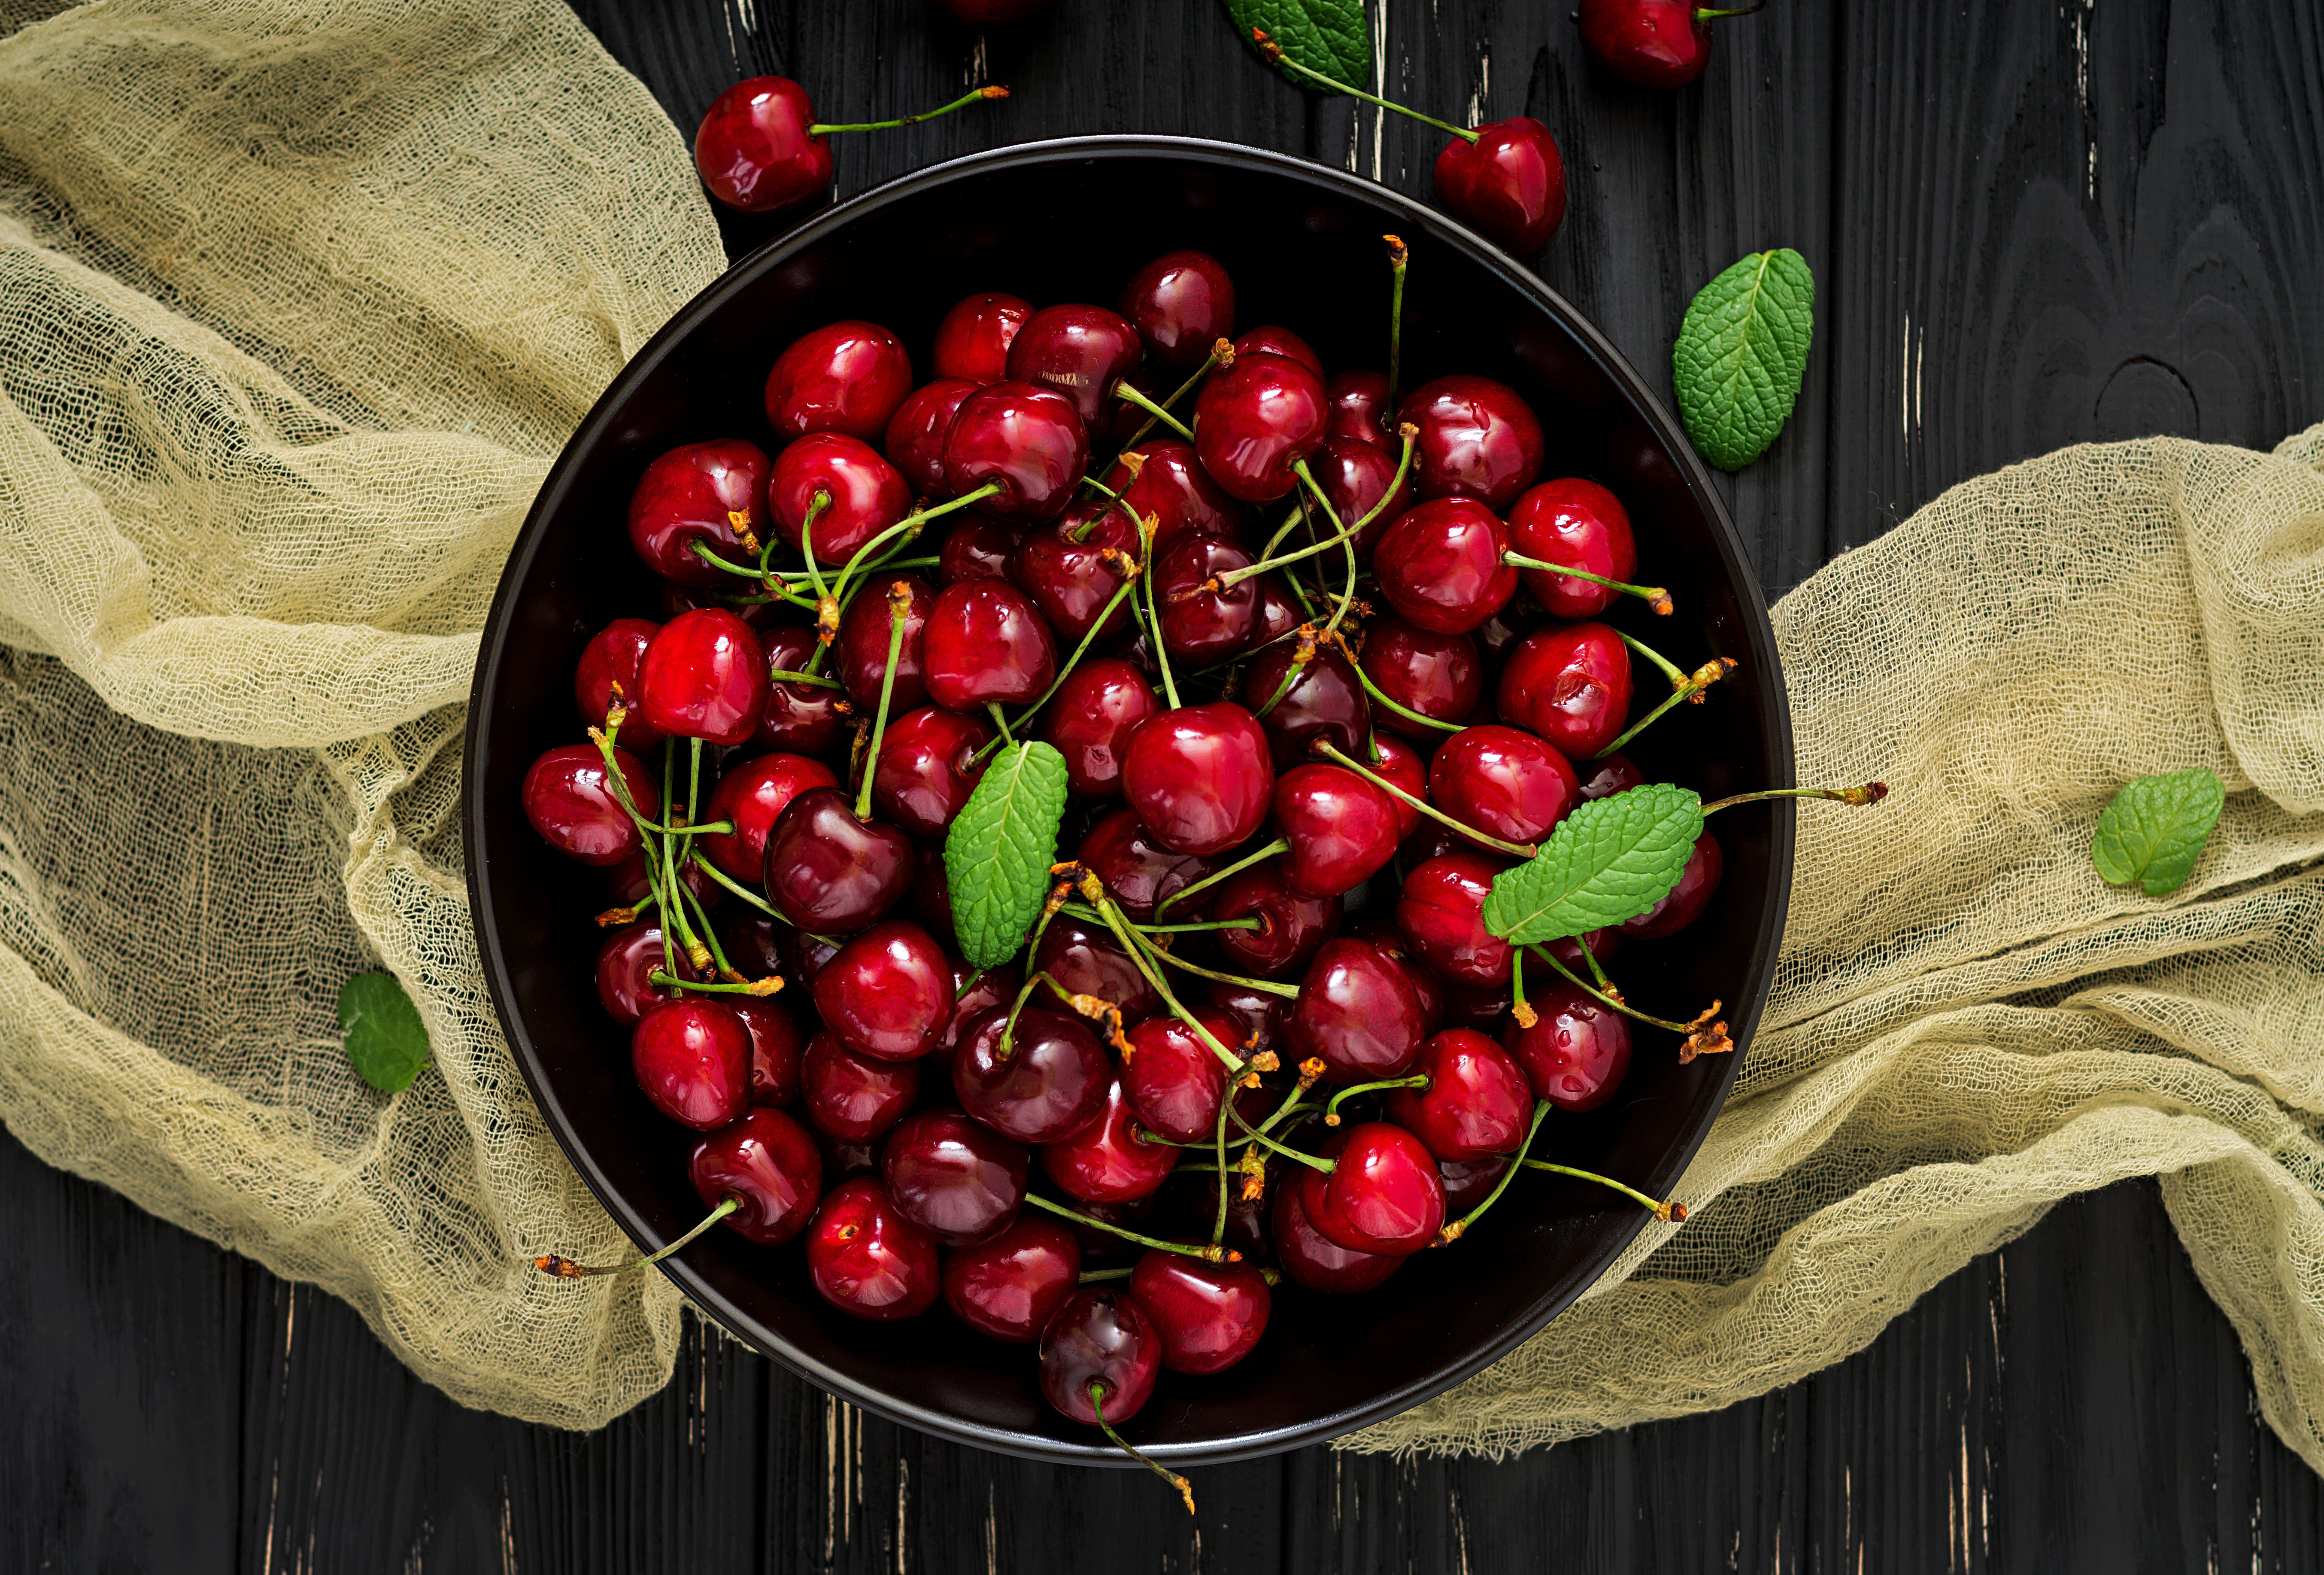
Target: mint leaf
point(381, 1027)
point(1328, 36)
point(1609, 860)
point(1740, 356)
point(2156, 827)
point(998, 852)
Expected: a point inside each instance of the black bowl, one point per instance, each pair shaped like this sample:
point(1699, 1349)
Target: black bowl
point(1070, 220)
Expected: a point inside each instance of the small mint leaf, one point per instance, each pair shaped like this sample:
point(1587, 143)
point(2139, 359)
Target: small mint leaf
point(998, 852)
point(2155, 827)
point(381, 1027)
point(1741, 353)
point(1330, 36)
point(1611, 860)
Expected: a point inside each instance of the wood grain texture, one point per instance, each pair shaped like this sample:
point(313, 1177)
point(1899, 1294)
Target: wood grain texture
point(2030, 224)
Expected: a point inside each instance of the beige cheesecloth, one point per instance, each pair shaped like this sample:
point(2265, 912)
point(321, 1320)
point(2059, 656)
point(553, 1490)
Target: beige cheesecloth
point(298, 302)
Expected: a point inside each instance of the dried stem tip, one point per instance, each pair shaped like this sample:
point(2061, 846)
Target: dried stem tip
point(1398, 253)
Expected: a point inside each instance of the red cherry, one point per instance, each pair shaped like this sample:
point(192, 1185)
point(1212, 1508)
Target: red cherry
point(1255, 420)
point(1072, 577)
point(1078, 351)
point(972, 997)
point(1357, 1011)
point(888, 993)
point(1570, 683)
point(804, 955)
point(569, 797)
point(624, 958)
point(1028, 441)
point(1440, 565)
point(860, 651)
point(800, 718)
point(1382, 1196)
point(1181, 302)
point(704, 676)
point(768, 1161)
point(976, 548)
point(1478, 440)
point(1167, 481)
point(692, 1058)
point(864, 1258)
point(1311, 1259)
point(1137, 869)
point(914, 441)
point(1652, 43)
point(776, 1046)
point(1401, 762)
point(629, 885)
point(1099, 1338)
point(1106, 1161)
point(1051, 1083)
point(860, 493)
point(927, 767)
point(1506, 784)
point(1580, 524)
point(843, 378)
point(1607, 775)
point(1292, 925)
point(853, 1098)
point(1208, 1315)
point(1273, 339)
point(1009, 1287)
point(1577, 1050)
point(1469, 1182)
point(985, 643)
point(1264, 1017)
point(1361, 410)
point(1355, 476)
point(829, 873)
point(1277, 614)
point(1084, 960)
point(1685, 901)
point(610, 659)
point(1200, 777)
point(753, 149)
point(1342, 830)
point(1089, 721)
point(1201, 625)
point(1508, 185)
point(751, 795)
point(698, 492)
point(973, 339)
point(1440, 910)
point(1437, 675)
point(1476, 1104)
point(956, 1179)
point(1324, 701)
point(1173, 1080)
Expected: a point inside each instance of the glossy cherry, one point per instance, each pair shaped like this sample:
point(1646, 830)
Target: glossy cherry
point(755, 150)
point(800, 718)
point(1292, 925)
point(927, 767)
point(776, 1047)
point(699, 493)
point(845, 377)
point(1607, 775)
point(1263, 1017)
point(1009, 1287)
point(1138, 870)
point(1181, 302)
point(1089, 719)
point(1403, 765)
point(704, 676)
point(610, 659)
point(914, 441)
point(1209, 1315)
point(1570, 683)
point(1074, 568)
point(860, 651)
point(1105, 1161)
point(1101, 1338)
point(1051, 1083)
point(1356, 477)
point(1435, 675)
point(851, 1097)
point(1652, 43)
point(1469, 1182)
point(1325, 701)
point(864, 1258)
point(1577, 1050)
point(976, 548)
point(1275, 339)
point(859, 495)
point(1079, 351)
point(973, 339)
point(1084, 959)
point(751, 796)
point(1478, 440)
point(1505, 782)
point(1361, 410)
point(1173, 1080)
point(955, 1179)
point(1163, 480)
point(1201, 625)
point(1440, 566)
point(1027, 440)
point(1440, 910)
point(1201, 777)
point(1684, 903)
point(1358, 1011)
point(1254, 421)
point(888, 991)
point(1311, 1260)
point(1508, 185)
point(1477, 1102)
point(1580, 524)
point(568, 796)
point(1343, 830)
point(770, 1162)
point(1383, 1194)
point(692, 1057)
point(828, 872)
point(985, 643)
point(624, 958)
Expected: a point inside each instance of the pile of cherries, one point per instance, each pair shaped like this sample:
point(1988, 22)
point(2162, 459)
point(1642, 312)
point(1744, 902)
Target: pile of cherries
point(1327, 647)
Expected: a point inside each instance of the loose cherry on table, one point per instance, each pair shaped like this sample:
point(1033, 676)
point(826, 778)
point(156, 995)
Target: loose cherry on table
point(1134, 865)
point(838, 490)
point(698, 492)
point(1441, 912)
point(1292, 925)
point(1476, 1103)
point(751, 796)
point(1570, 684)
point(914, 441)
point(1051, 1082)
point(851, 1097)
point(1478, 440)
point(1078, 351)
point(1313, 1261)
point(927, 766)
point(1089, 721)
point(1506, 783)
point(760, 149)
point(768, 1161)
point(847, 377)
point(1257, 420)
point(1324, 700)
point(1357, 1012)
point(865, 1258)
point(1084, 960)
point(704, 676)
point(1025, 442)
point(1181, 303)
point(1106, 1161)
point(860, 651)
point(887, 993)
point(777, 1046)
point(1201, 624)
point(828, 872)
point(1209, 1315)
point(800, 718)
point(1010, 1286)
point(986, 644)
point(1360, 408)
point(976, 548)
point(692, 1057)
point(1440, 565)
point(1684, 904)
point(956, 1179)
point(1381, 1195)
point(1576, 1052)
point(1173, 1078)
point(1579, 524)
point(1200, 777)
point(1436, 674)
point(972, 338)
point(1652, 43)
point(568, 796)
point(1342, 829)
point(608, 669)
point(1099, 1338)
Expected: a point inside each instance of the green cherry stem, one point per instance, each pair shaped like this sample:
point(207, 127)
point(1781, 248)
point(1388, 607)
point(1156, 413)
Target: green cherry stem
point(814, 507)
point(1670, 670)
point(899, 606)
point(1608, 1002)
point(1288, 992)
point(1080, 911)
point(1459, 1227)
point(1689, 688)
point(1099, 1276)
point(1309, 1160)
point(1274, 55)
point(1340, 533)
point(1050, 693)
point(1097, 1409)
point(735, 886)
point(1331, 1110)
point(1154, 624)
point(1324, 746)
point(1179, 393)
point(1140, 950)
point(1871, 792)
point(1661, 1208)
point(1407, 712)
point(1399, 256)
point(783, 675)
point(1278, 845)
point(563, 1268)
point(962, 102)
point(1209, 1255)
point(1000, 720)
point(1653, 596)
point(1122, 389)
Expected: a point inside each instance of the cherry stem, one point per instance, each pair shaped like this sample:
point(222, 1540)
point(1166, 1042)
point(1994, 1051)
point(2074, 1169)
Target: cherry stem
point(1661, 1208)
point(1099, 1276)
point(1139, 948)
point(785, 675)
point(1515, 850)
point(1209, 1255)
point(1331, 1110)
point(673, 908)
point(1871, 792)
point(1050, 693)
point(1288, 992)
point(1405, 712)
point(1122, 389)
point(1097, 1409)
point(1235, 577)
point(1397, 256)
point(726, 970)
point(1702, 15)
point(735, 886)
point(1654, 595)
point(968, 984)
point(672, 982)
point(1606, 1000)
point(814, 507)
point(1280, 845)
point(563, 1268)
point(1669, 669)
point(1597, 970)
point(775, 590)
point(1525, 1015)
point(1459, 1227)
point(1689, 688)
point(1000, 720)
point(962, 102)
point(1309, 1160)
point(1176, 395)
point(1009, 1029)
point(1254, 922)
point(1154, 624)
point(1274, 54)
point(899, 604)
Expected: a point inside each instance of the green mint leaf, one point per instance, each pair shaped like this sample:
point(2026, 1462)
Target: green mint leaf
point(2156, 827)
point(1611, 860)
point(999, 851)
point(385, 1042)
point(1330, 36)
point(1740, 356)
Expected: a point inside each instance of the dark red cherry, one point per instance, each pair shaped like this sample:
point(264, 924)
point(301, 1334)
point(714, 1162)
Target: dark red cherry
point(1652, 43)
point(927, 767)
point(1264, 1018)
point(1482, 1007)
point(776, 1047)
point(569, 797)
point(1201, 625)
point(1208, 1315)
point(1135, 866)
point(1361, 410)
point(1050, 1084)
point(1181, 303)
point(1603, 943)
point(624, 958)
point(1084, 959)
point(861, 494)
point(701, 493)
point(1476, 1104)
point(753, 150)
point(860, 651)
point(1311, 1260)
point(1099, 1338)
point(830, 873)
point(1433, 839)
point(956, 1179)
point(1173, 1080)
point(1685, 901)
point(1505, 782)
point(843, 378)
point(1200, 777)
point(1358, 1011)
point(985, 643)
point(1105, 1161)
point(1402, 763)
point(1440, 565)
point(1570, 683)
point(1498, 636)
point(1355, 477)
point(768, 1161)
point(1326, 702)
point(914, 441)
point(973, 339)
point(864, 1258)
point(804, 955)
point(692, 1058)
point(1277, 614)
point(1469, 1182)
point(610, 659)
point(1437, 675)
point(1508, 185)
point(1273, 339)
point(751, 795)
point(1028, 442)
point(1577, 1050)
point(1577, 523)
point(1382, 1196)
point(1426, 988)
point(1478, 440)
point(844, 1161)
point(1080, 352)
point(1008, 1288)
point(1342, 830)
point(976, 548)
point(1254, 421)
point(1164, 480)
point(1073, 567)
point(1090, 718)
point(704, 676)
point(888, 993)
point(1440, 910)
point(1607, 775)
point(853, 1098)
point(1291, 924)
point(800, 718)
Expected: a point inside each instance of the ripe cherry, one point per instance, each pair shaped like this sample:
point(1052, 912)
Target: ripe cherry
point(1684, 903)
point(1009, 1287)
point(1074, 568)
point(846, 377)
point(1403, 765)
point(1099, 1338)
point(1311, 1259)
point(914, 441)
point(1106, 1161)
point(853, 1098)
point(1209, 1316)
point(1089, 721)
point(1164, 480)
point(769, 1162)
point(1173, 1080)
point(756, 149)
point(985, 643)
point(864, 1258)
point(1256, 420)
point(1274, 339)
point(751, 796)
point(1382, 1194)
point(1478, 440)
point(700, 493)
point(1437, 675)
point(1292, 925)
point(973, 339)
point(1181, 303)
point(828, 872)
point(776, 1046)
point(1027, 441)
point(800, 718)
point(1078, 351)
point(1138, 870)
point(888, 993)
point(1440, 910)
point(1051, 1083)
point(1200, 777)
point(1324, 701)
point(1580, 524)
point(1355, 477)
point(956, 1179)
point(1264, 1017)
point(1505, 782)
point(1577, 1050)
point(1570, 683)
point(1469, 1182)
point(1342, 830)
point(1361, 409)
point(569, 797)
point(609, 660)
point(1508, 185)
point(624, 958)
point(1653, 43)
point(1440, 565)
point(927, 767)
point(974, 992)
point(704, 676)
point(1476, 1104)
point(1482, 1007)
point(850, 492)
point(860, 651)
point(976, 548)
point(1357, 1011)
point(1200, 624)
point(1278, 614)
point(692, 1058)
point(1084, 960)
point(1607, 775)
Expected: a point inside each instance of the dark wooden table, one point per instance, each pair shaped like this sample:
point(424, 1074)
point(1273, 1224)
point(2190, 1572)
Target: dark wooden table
point(2031, 224)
